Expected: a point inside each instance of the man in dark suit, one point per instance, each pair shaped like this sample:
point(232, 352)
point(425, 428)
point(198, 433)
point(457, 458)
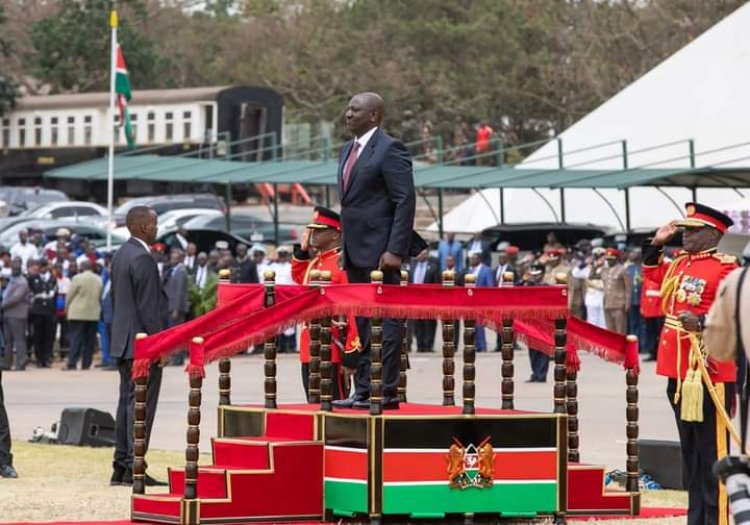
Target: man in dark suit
point(176, 289)
point(140, 305)
point(244, 269)
point(376, 185)
point(424, 271)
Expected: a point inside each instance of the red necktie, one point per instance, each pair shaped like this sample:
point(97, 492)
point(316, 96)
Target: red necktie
point(350, 161)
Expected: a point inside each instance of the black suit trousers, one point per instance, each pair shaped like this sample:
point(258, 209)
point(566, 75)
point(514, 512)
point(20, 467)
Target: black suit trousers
point(124, 420)
point(6, 458)
point(391, 341)
point(43, 337)
point(701, 445)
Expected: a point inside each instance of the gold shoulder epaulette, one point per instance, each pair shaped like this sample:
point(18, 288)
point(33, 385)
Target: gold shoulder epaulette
point(725, 258)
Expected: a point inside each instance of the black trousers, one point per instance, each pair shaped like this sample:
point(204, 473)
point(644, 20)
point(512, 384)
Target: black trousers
point(652, 330)
point(539, 365)
point(82, 343)
point(391, 341)
point(43, 328)
point(6, 458)
point(424, 332)
point(701, 445)
point(338, 389)
point(123, 458)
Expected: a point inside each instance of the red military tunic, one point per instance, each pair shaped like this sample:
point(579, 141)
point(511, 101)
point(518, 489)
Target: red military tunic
point(651, 299)
point(688, 284)
point(301, 269)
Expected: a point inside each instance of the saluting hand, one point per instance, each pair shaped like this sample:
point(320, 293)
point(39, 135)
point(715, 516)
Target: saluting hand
point(664, 234)
point(305, 241)
point(390, 261)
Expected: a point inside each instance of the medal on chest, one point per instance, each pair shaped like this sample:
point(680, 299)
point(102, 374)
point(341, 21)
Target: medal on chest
point(691, 290)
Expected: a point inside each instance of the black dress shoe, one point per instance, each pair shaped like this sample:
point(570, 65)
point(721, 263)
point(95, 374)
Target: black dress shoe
point(349, 402)
point(151, 482)
point(7, 471)
point(387, 403)
point(118, 473)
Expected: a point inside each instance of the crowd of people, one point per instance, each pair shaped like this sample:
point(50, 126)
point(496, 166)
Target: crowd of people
point(56, 299)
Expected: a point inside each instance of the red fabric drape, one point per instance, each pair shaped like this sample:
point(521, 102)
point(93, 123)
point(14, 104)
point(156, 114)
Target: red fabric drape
point(240, 320)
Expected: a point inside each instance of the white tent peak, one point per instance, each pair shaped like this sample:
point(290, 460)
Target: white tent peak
point(699, 93)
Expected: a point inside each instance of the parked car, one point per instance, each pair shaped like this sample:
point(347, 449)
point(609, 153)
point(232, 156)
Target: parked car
point(164, 203)
point(21, 198)
point(63, 210)
point(174, 218)
point(95, 234)
point(204, 238)
point(246, 226)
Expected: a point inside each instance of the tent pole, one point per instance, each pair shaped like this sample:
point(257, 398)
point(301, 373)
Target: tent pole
point(502, 205)
point(276, 214)
point(228, 198)
point(627, 210)
point(560, 166)
point(440, 213)
point(328, 196)
point(562, 205)
point(694, 191)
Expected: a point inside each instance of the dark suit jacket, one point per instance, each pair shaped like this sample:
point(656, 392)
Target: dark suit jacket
point(140, 304)
point(176, 289)
point(431, 274)
point(244, 272)
point(377, 208)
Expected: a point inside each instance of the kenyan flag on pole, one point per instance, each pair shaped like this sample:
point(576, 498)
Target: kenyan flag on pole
point(122, 89)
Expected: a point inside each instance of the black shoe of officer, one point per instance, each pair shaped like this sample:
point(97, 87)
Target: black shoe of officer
point(349, 402)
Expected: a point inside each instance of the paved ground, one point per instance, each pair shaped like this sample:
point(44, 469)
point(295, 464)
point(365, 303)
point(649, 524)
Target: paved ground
point(37, 398)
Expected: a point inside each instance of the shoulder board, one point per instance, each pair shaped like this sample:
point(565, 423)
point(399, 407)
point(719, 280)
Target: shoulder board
point(725, 258)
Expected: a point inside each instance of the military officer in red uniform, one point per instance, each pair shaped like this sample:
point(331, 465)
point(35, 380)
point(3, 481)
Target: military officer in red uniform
point(688, 288)
point(320, 249)
point(653, 316)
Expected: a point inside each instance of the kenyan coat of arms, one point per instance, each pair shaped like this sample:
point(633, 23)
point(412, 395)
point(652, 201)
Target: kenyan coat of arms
point(471, 466)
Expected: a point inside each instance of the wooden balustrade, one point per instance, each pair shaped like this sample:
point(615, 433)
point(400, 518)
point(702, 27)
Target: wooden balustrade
point(376, 355)
point(313, 389)
point(269, 347)
point(225, 365)
point(560, 368)
point(507, 370)
point(405, 347)
point(571, 392)
point(139, 430)
point(326, 367)
point(449, 348)
point(631, 416)
point(470, 355)
point(193, 428)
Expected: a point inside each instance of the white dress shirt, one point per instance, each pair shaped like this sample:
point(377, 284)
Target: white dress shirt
point(364, 139)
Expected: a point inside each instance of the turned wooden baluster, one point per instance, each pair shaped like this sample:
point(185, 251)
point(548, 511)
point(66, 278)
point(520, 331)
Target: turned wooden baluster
point(405, 346)
point(507, 370)
point(631, 415)
point(560, 368)
point(326, 367)
point(571, 392)
point(376, 355)
point(139, 430)
point(269, 347)
point(314, 379)
point(225, 365)
point(193, 430)
point(470, 354)
point(449, 348)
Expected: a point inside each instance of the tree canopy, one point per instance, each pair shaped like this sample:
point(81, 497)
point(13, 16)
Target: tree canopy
point(7, 86)
point(529, 67)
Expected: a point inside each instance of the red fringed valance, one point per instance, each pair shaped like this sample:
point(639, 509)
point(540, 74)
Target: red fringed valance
point(241, 320)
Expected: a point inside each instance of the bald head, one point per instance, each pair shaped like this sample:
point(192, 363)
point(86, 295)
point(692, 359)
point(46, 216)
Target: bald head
point(141, 223)
point(364, 112)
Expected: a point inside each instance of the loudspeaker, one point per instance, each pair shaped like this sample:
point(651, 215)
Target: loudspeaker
point(662, 461)
point(86, 426)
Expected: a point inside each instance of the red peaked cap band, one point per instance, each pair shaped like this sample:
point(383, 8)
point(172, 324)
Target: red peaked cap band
point(698, 215)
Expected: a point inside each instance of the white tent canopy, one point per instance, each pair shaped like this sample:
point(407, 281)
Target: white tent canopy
point(699, 94)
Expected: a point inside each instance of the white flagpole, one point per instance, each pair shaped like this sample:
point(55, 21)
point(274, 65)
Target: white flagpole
point(111, 127)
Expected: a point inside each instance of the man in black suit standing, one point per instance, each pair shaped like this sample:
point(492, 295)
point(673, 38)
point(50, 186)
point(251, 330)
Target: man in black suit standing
point(140, 305)
point(424, 271)
point(376, 185)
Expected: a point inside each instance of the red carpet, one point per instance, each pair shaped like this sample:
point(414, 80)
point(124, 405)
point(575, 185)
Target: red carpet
point(646, 513)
